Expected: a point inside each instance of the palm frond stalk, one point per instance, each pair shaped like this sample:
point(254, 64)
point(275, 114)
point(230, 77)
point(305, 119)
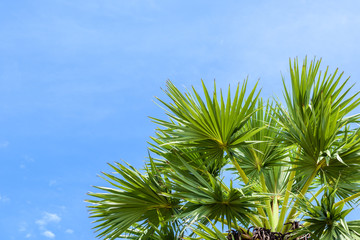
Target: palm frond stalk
point(233, 166)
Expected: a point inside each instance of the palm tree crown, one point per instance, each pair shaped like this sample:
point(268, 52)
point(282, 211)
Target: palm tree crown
point(232, 161)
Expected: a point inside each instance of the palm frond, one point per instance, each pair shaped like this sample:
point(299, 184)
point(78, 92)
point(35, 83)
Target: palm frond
point(316, 115)
point(205, 233)
point(324, 220)
point(210, 197)
point(266, 152)
point(212, 125)
point(136, 198)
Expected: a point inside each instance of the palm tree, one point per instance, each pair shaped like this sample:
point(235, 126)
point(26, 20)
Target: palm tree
point(232, 161)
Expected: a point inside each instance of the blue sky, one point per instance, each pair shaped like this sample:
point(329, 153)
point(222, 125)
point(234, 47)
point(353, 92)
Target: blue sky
point(78, 80)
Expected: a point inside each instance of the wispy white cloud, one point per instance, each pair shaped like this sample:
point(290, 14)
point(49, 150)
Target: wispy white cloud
point(69, 231)
point(48, 234)
point(48, 218)
point(24, 229)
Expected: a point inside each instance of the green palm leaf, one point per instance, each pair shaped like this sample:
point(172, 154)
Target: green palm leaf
point(209, 197)
point(316, 114)
point(136, 198)
point(324, 220)
point(211, 125)
point(206, 233)
point(266, 152)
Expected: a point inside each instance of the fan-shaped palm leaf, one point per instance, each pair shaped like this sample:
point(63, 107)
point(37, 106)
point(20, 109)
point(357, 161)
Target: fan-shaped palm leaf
point(210, 197)
point(315, 118)
point(325, 220)
point(135, 199)
point(212, 126)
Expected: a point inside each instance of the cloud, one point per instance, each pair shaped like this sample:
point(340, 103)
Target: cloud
point(69, 231)
point(48, 218)
point(48, 234)
point(24, 229)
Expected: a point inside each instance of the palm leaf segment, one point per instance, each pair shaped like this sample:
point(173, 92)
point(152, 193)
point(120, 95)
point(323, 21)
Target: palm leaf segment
point(315, 120)
point(325, 220)
point(175, 155)
point(136, 198)
point(211, 126)
point(267, 152)
point(210, 197)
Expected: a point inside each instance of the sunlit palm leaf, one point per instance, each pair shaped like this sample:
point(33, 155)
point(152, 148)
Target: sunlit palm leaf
point(266, 152)
point(205, 233)
point(136, 198)
point(344, 164)
point(317, 106)
point(197, 159)
point(212, 125)
point(324, 220)
point(209, 197)
point(167, 230)
point(354, 228)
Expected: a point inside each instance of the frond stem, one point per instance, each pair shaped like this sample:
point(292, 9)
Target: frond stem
point(246, 181)
point(352, 197)
point(303, 192)
point(255, 220)
point(238, 168)
point(284, 206)
point(267, 201)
